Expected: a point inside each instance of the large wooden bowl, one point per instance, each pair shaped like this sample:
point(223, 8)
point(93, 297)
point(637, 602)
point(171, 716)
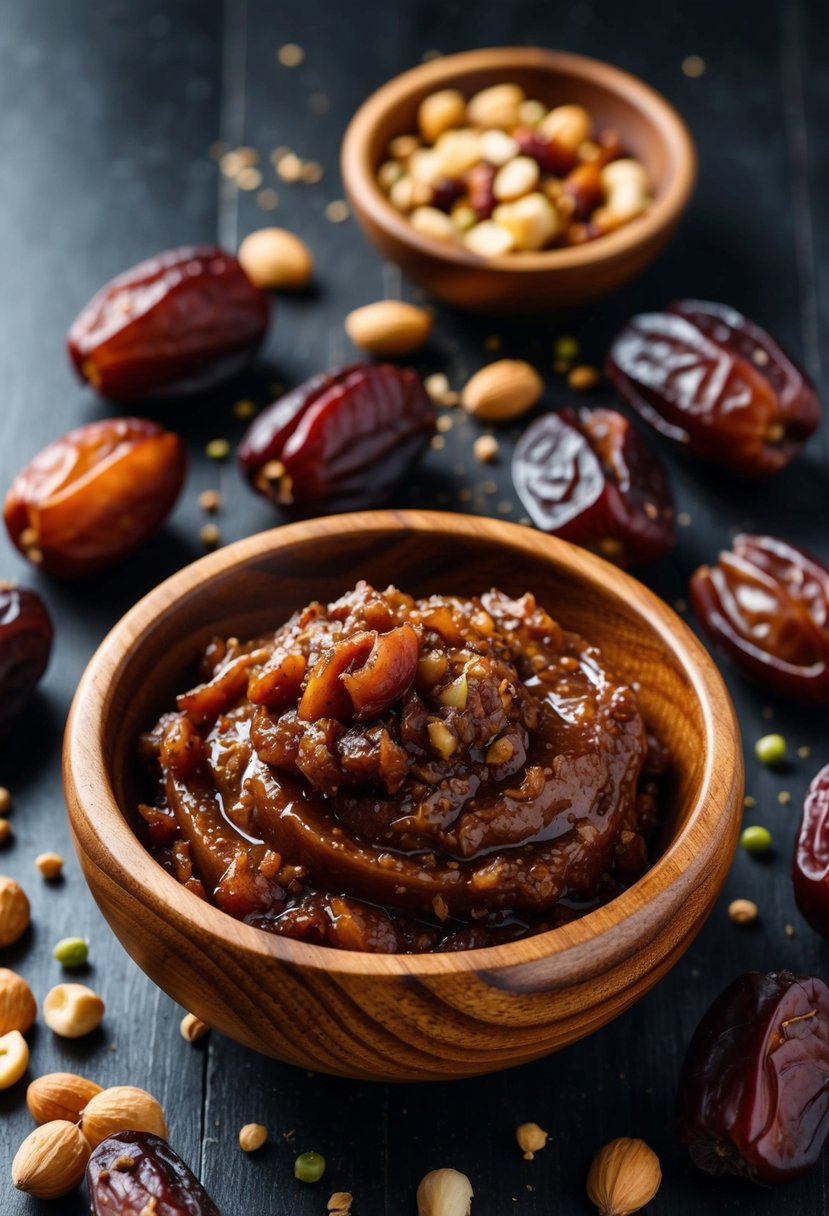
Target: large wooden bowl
point(401, 1016)
point(651, 130)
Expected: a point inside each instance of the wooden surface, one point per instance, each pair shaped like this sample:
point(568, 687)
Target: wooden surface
point(106, 113)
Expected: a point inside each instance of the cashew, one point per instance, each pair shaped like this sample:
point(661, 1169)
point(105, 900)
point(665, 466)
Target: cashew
point(625, 186)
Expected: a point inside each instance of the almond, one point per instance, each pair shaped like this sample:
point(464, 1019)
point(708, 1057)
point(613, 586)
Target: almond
point(14, 911)
point(274, 258)
point(51, 1161)
point(389, 327)
point(60, 1095)
point(502, 390)
point(119, 1108)
point(18, 1007)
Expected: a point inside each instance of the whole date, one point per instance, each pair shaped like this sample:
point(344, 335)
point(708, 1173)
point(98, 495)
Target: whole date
point(135, 1172)
point(94, 495)
point(180, 322)
point(810, 864)
point(25, 644)
point(766, 604)
point(342, 440)
point(754, 1086)
point(709, 378)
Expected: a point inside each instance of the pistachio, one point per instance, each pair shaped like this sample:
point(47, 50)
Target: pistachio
point(444, 1193)
point(389, 327)
point(502, 390)
point(624, 1176)
point(51, 1160)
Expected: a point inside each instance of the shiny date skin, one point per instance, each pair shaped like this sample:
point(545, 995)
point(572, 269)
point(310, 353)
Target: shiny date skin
point(94, 495)
point(707, 377)
point(810, 864)
point(765, 603)
point(135, 1172)
point(343, 439)
point(25, 644)
point(178, 323)
point(754, 1086)
point(590, 478)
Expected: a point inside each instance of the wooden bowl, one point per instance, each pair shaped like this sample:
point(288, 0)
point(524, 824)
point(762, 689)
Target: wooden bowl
point(651, 130)
point(402, 1017)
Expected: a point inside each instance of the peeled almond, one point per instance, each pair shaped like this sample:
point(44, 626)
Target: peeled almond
point(275, 259)
point(389, 327)
point(502, 390)
point(51, 1160)
point(122, 1108)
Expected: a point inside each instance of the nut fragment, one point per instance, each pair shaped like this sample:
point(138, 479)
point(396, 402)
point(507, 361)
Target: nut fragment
point(120, 1107)
point(50, 865)
point(623, 1177)
point(743, 911)
point(14, 1058)
point(18, 1007)
point(389, 327)
point(59, 1095)
point(5, 800)
point(440, 111)
point(51, 1160)
point(502, 390)
point(340, 1203)
point(193, 1028)
point(276, 259)
point(72, 1010)
point(583, 377)
point(496, 106)
point(531, 1139)
point(14, 911)
point(252, 1136)
point(485, 448)
point(444, 1193)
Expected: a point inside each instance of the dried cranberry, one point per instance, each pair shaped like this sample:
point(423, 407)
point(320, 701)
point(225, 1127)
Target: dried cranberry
point(446, 192)
point(550, 156)
point(810, 864)
point(706, 376)
point(590, 478)
point(479, 185)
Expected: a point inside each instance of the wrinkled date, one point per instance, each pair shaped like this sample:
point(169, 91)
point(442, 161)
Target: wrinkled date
point(704, 375)
point(94, 495)
point(754, 1087)
point(135, 1172)
point(766, 604)
point(810, 865)
point(178, 323)
point(343, 439)
point(590, 478)
point(25, 643)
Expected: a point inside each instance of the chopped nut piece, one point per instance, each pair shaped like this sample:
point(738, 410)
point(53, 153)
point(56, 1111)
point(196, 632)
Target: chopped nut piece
point(249, 179)
point(442, 739)
point(440, 908)
point(789, 930)
point(210, 536)
point(337, 211)
point(218, 449)
point(289, 167)
point(210, 501)
point(531, 1139)
point(437, 386)
point(784, 797)
point(252, 1136)
point(485, 448)
point(192, 1028)
point(340, 1203)
point(743, 911)
point(6, 799)
point(444, 423)
point(583, 377)
point(50, 865)
point(693, 66)
point(267, 199)
point(244, 409)
point(290, 55)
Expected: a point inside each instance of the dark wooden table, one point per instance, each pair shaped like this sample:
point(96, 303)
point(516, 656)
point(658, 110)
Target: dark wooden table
point(107, 111)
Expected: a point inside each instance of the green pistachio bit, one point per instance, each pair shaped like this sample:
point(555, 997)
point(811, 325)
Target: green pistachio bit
point(771, 749)
point(309, 1167)
point(218, 449)
point(566, 349)
point(756, 840)
point(71, 951)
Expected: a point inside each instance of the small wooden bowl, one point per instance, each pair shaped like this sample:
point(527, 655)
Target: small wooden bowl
point(651, 130)
point(402, 1017)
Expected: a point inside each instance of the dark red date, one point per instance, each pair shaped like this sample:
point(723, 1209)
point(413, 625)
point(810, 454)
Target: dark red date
point(135, 1172)
point(179, 323)
point(94, 495)
point(810, 864)
point(766, 604)
point(25, 644)
point(343, 439)
point(709, 378)
point(590, 478)
point(754, 1086)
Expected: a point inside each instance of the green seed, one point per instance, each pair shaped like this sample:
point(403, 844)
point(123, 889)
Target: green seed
point(71, 951)
point(218, 449)
point(309, 1167)
point(771, 749)
point(756, 840)
point(566, 349)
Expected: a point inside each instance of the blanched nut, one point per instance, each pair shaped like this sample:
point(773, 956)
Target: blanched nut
point(497, 147)
point(407, 193)
point(275, 259)
point(14, 1058)
point(192, 1028)
point(518, 177)
point(531, 112)
point(532, 220)
point(72, 1010)
point(488, 240)
point(496, 106)
point(428, 221)
point(499, 752)
point(531, 1139)
point(567, 126)
point(442, 739)
point(444, 1193)
point(456, 152)
point(625, 186)
point(440, 111)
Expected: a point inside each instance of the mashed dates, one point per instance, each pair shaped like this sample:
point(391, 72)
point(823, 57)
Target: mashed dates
point(400, 775)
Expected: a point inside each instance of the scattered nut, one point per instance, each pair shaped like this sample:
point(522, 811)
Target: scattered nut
point(444, 1193)
point(60, 1095)
point(340, 1203)
point(743, 911)
point(531, 1139)
point(249, 179)
point(193, 1028)
point(440, 111)
point(50, 865)
point(485, 448)
point(389, 327)
point(14, 1058)
point(290, 55)
point(437, 386)
point(583, 377)
point(337, 211)
point(309, 1167)
point(5, 800)
point(51, 1160)
point(502, 390)
point(496, 106)
point(210, 536)
point(217, 449)
point(252, 1136)
point(119, 1107)
point(624, 1176)
point(72, 1010)
point(14, 911)
point(276, 259)
point(18, 1007)
point(71, 951)
point(5, 831)
point(210, 501)
point(243, 409)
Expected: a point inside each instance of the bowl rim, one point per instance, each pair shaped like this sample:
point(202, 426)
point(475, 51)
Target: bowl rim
point(122, 857)
point(366, 195)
